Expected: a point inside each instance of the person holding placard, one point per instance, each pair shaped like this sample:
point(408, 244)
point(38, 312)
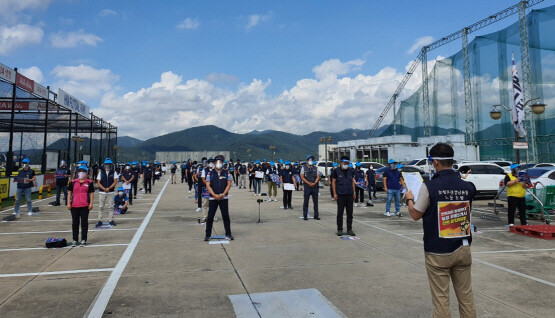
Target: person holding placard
point(25, 180)
point(361, 185)
point(344, 185)
point(271, 172)
point(258, 176)
point(128, 177)
point(444, 205)
point(289, 184)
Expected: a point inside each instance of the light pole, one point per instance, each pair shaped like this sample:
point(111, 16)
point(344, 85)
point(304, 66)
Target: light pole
point(537, 108)
point(325, 140)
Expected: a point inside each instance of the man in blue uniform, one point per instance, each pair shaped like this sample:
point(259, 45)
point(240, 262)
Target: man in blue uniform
point(62, 177)
point(147, 178)
point(393, 183)
point(359, 190)
point(242, 170)
point(25, 180)
point(136, 169)
point(310, 177)
point(343, 184)
point(106, 181)
point(371, 184)
point(218, 183)
point(444, 205)
point(128, 176)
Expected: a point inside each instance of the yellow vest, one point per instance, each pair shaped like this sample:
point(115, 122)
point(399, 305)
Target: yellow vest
point(516, 190)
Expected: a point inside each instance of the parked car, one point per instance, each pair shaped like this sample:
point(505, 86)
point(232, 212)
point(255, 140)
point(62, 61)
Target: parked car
point(541, 165)
point(541, 177)
point(322, 167)
point(506, 165)
point(484, 177)
point(421, 163)
point(379, 174)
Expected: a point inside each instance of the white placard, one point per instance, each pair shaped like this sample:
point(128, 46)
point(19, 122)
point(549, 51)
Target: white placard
point(73, 103)
point(7, 73)
point(126, 186)
point(288, 186)
point(259, 174)
point(413, 181)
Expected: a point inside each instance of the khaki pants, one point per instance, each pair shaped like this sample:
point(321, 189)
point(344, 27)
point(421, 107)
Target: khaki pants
point(205, 208)
point(243, 181)
point(102, 198)
point(272, 188)
point(174, 178)
point(456, 267)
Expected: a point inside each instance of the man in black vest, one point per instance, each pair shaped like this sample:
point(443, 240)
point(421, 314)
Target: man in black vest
point(147, 178)
point(128, 177)
point(62, 176)
point(135, 168)
point(310, 178)
point(444, 205)
point(106, 181)
point(343, 184)
point(218, 183)
point(25, 181)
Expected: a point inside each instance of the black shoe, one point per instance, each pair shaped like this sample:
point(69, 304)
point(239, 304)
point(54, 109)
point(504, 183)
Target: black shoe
point(285, 208)
point(350, 233)
point(134, 197)
point(229, 237)
point(291, 207)
point(339, 232)
point(306, 218)
point(112, 223)
point(317, 218)
point(98, 224)
point(207, 238)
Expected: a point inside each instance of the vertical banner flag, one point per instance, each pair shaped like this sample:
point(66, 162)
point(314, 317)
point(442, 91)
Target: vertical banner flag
point(517, 113)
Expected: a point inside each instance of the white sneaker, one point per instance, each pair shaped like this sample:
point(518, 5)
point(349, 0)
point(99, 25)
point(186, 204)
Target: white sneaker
point(199, 209)
point(83, 243)
point(17, 215)
point(189, 191)
point(29, 213)
point(356, 205)
point(269, 200)
point(387, 214)
point(74, 244)
point(511, 224)
point(275, 200)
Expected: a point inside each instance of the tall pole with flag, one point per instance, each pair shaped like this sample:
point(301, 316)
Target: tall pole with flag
point(517, 112)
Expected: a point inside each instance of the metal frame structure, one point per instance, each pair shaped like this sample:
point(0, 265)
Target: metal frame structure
point(519, 8)
point(47, 118)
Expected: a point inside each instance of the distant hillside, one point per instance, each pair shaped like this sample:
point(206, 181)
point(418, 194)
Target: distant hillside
point(253, 145)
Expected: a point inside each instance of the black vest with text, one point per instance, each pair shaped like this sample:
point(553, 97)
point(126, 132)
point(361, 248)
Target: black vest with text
point(446, 186)
point(310, 173)
point(107, 179)
point(344, 182)
point(218, 182)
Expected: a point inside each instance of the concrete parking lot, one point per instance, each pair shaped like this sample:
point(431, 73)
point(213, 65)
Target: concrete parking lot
point(154, 263)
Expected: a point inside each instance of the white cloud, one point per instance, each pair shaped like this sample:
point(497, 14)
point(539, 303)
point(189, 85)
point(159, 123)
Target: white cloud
point(222, 78)
point(84, 81)
point(33, 73)
point(18, 36)
point(335, 67)
point(255, 19)
point(107, 12)
point(309, 105)
point(420, 42)
point(189, 24)
point(10, 9)
point(72, 39)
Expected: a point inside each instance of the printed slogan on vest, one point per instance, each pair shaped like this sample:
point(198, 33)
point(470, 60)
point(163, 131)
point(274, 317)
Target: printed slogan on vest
point(454, 219)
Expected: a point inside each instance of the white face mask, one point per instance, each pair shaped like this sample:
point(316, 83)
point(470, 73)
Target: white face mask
point(211, 165)
point(127, 167)
point(82, 174)
point(371, 168)
point(344, 167)
point(287, 167)
point(310, 162)
point(219, 165)
point(120, 193)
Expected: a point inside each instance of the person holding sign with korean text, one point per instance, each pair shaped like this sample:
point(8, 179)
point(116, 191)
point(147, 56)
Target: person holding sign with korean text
point(444, 204)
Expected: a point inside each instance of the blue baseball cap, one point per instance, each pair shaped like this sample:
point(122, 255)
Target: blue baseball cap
point(334, 164)
point(108, 160)
point(310, 156)
point(390, 161)
point(257, 161)
point(514, 166)
point(288, 162)
point(120, 189)
point(359, 164)
point(82, 168)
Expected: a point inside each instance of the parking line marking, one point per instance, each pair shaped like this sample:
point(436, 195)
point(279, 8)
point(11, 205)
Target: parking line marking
point(60, 220)
point(515, 272)
point(77, 271)
point(474, 259)
point(516, 251)
point(96, 310)
point(44, 248)
point(46, 232)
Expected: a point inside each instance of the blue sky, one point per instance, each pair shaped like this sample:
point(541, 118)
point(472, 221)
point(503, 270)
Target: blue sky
point(296, 66)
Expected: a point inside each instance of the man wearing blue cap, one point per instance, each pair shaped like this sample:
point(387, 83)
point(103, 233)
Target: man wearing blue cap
point(218, 183)
point(288, 181)
point(343, 184)
point(272, 186)
point(258, 175)
point(310, 177)
point(106, 182)
point(25, 180)
point(361, 183)
point(393, 182)
point(333, 167)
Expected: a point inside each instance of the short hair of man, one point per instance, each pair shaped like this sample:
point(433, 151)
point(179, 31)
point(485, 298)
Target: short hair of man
point(443, 150)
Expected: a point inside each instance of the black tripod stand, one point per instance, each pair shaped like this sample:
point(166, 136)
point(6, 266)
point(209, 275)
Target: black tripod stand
point(259, 201)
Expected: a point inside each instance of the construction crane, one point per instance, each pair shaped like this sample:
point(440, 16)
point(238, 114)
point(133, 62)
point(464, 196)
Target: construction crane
point(422, 56)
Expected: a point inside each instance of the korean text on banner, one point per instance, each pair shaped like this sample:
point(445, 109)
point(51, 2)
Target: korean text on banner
point(73, 103)
point(453, 219)
point(7, 73)
point(4, 187)
point(40, 91)
point(414, 181)
point(25, 82)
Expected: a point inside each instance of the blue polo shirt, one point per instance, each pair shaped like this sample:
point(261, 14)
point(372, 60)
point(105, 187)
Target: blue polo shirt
point(393, 179)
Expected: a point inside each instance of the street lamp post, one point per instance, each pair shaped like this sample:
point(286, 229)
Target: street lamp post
point(537, 108)
point(325, 140)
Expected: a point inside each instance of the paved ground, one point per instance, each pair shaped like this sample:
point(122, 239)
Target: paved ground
point(155, 264)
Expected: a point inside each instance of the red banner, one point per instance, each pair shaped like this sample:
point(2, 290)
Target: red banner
point(25, 83)
point(50, 179)
point(7, 105)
